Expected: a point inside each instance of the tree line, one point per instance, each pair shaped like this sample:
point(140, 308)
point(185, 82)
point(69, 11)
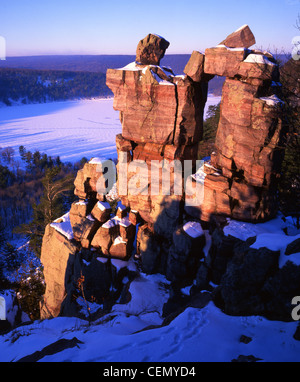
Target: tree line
point(29, 86)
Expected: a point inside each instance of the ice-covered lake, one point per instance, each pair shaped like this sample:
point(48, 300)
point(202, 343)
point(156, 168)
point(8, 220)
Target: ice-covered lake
point(70, 129)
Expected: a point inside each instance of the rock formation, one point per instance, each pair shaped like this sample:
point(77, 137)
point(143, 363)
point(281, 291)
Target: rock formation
point(247, 159)
point(160, 213)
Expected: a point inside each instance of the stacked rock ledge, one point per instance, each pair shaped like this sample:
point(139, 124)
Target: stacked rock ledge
point(162, 122)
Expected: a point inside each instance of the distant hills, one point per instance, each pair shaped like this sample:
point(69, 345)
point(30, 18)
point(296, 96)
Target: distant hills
point(98, 64)
point(56, 77)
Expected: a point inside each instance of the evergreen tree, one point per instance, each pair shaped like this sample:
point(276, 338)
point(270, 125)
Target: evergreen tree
point(289, 185)
point(2, 234)
point(10, 256)
point(210, 126)
point(48, 209)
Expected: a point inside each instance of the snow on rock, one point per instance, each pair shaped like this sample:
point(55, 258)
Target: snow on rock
point(278, 242)
point(96, 160)
point(269, 234)
point(200, 175)
point(113, 193)
point(231, 49)
point(243, 230)
point(193, 229)
point(258, 59)
point(11, 309)
point(148, 295)
point(273, 100)
point(103, 205)
point(121, 206)
point(119, 240)
point(125, 222)
point(81, 203)
point(63, 226)
point(110, 223)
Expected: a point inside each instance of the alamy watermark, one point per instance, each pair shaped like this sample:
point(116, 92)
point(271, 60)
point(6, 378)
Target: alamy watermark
point(2, 308)
point(155, 177)
point(296, 48)
point(2, 48)
point(296, 310)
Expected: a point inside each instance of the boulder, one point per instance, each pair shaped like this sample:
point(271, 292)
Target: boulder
point(120, 248)
point(220, 253)
point(105, 236)
point(185, 252)
point(151, 49)
point(127, 229)
point(257, 66)
point(57, 256)
point(195, 67)
point(90, 181)
point(241, 287)
point(241, 38)
point(223, 61)
point(149, 249)
point(79, 210)
point(122, 211)
point(86, 229)
point(101, 211)
point(293, 247)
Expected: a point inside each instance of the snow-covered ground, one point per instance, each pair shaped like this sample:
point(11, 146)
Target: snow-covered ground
point(70, 129)
point(195, 335)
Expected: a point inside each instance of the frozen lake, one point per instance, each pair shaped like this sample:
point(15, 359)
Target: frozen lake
point(70, 129)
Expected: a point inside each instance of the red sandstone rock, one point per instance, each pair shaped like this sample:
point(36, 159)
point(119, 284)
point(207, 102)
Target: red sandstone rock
point(242, 37)
point(223, 61)
point(120, 249)
point(89, 181)
point(121, 211)
point(151, 49)
point(257, 66)
point(134, 217)
point(195, 67)
point(78, 212)
point(85, 229)
point(147, 109)
point(127, 229)
point(105, 236)
point(157, 110)
point(57, 254)
point(101, 211)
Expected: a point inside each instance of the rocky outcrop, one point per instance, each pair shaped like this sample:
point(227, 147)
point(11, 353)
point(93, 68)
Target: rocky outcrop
point(240, 179)
point(156, 106)
point(253, 284)
point(164, 201)
point(79, 269)
point(57, 257)
point(162, 122)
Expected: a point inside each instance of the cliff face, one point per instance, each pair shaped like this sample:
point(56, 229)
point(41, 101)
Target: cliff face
point(163, 202)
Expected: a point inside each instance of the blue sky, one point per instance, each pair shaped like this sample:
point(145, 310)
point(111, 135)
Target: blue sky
point(33, 27)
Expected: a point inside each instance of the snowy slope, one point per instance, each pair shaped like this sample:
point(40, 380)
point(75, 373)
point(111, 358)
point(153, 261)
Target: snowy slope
point(195, 335)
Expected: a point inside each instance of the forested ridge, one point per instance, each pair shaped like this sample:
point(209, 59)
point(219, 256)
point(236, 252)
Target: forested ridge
point(30, 85)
